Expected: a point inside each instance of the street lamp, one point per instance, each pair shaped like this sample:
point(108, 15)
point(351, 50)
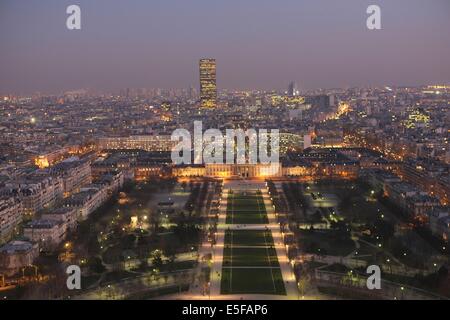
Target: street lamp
point(209, 289)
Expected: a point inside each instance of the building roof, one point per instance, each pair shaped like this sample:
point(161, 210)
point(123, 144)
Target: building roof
point(16, 246)
point(42, 224)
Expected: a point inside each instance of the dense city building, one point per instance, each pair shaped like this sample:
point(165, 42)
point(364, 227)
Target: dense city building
point(91, 179)
point(11, 215)
point(208, 86)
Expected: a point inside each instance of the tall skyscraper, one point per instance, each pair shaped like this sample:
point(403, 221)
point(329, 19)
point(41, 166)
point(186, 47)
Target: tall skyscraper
point(293, 89)
point(208, 88)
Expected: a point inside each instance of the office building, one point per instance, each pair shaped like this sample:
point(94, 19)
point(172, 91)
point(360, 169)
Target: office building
point(208, 88)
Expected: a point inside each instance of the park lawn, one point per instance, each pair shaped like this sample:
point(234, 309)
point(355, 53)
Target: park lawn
point(248, 237)
point(246, 211)
point(250, 263)
point(245, 204)
point(253, 197)
point(252, 281)
point(250, 257)
point(246, 218)
point(246, 207)
point(245, 197)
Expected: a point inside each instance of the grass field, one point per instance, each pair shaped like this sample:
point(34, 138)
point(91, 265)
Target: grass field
point(250, 257)
point(252, 280)
point(250, 264)
point(248, 237)
point(246, 208)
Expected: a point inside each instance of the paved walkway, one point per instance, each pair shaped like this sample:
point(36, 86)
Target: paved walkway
point(216, 268)
point(286, 268)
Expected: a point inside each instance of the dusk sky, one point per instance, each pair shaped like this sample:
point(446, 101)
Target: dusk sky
point(258, 44)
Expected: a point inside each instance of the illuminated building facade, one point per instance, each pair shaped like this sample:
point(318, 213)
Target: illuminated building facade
point(298, 171)
point(192, 170)
point(249, 171)
point(243, 170)
point(208, 88)
point(223, 170)
point(48, 158)
point(277, 100)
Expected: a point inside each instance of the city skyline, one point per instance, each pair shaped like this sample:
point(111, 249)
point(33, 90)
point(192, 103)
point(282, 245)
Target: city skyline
point(202, 150)
point(259, 47)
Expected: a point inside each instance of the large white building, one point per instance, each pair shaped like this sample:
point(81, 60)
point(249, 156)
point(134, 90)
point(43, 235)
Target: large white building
point(228, 170)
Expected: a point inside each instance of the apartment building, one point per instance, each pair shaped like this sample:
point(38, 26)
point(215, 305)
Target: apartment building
point(16, 255)
point(148, 143)
point(74, 174)
point(48, 233)
point(66, 215)
point(87, 200)
point(36, 192)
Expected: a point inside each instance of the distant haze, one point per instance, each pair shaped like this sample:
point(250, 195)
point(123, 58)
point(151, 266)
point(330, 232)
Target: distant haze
point(258, 44)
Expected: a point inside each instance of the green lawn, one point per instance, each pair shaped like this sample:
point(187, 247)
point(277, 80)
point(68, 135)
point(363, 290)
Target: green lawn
point(252, 280)
point(246, 218)
point(248, 237)
point(250, 263)
point(249, 209)
point(250, 257)
point(252, 205)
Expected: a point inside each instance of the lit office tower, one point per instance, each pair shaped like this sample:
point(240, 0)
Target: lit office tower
point(208, 89)
point(293, 89)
